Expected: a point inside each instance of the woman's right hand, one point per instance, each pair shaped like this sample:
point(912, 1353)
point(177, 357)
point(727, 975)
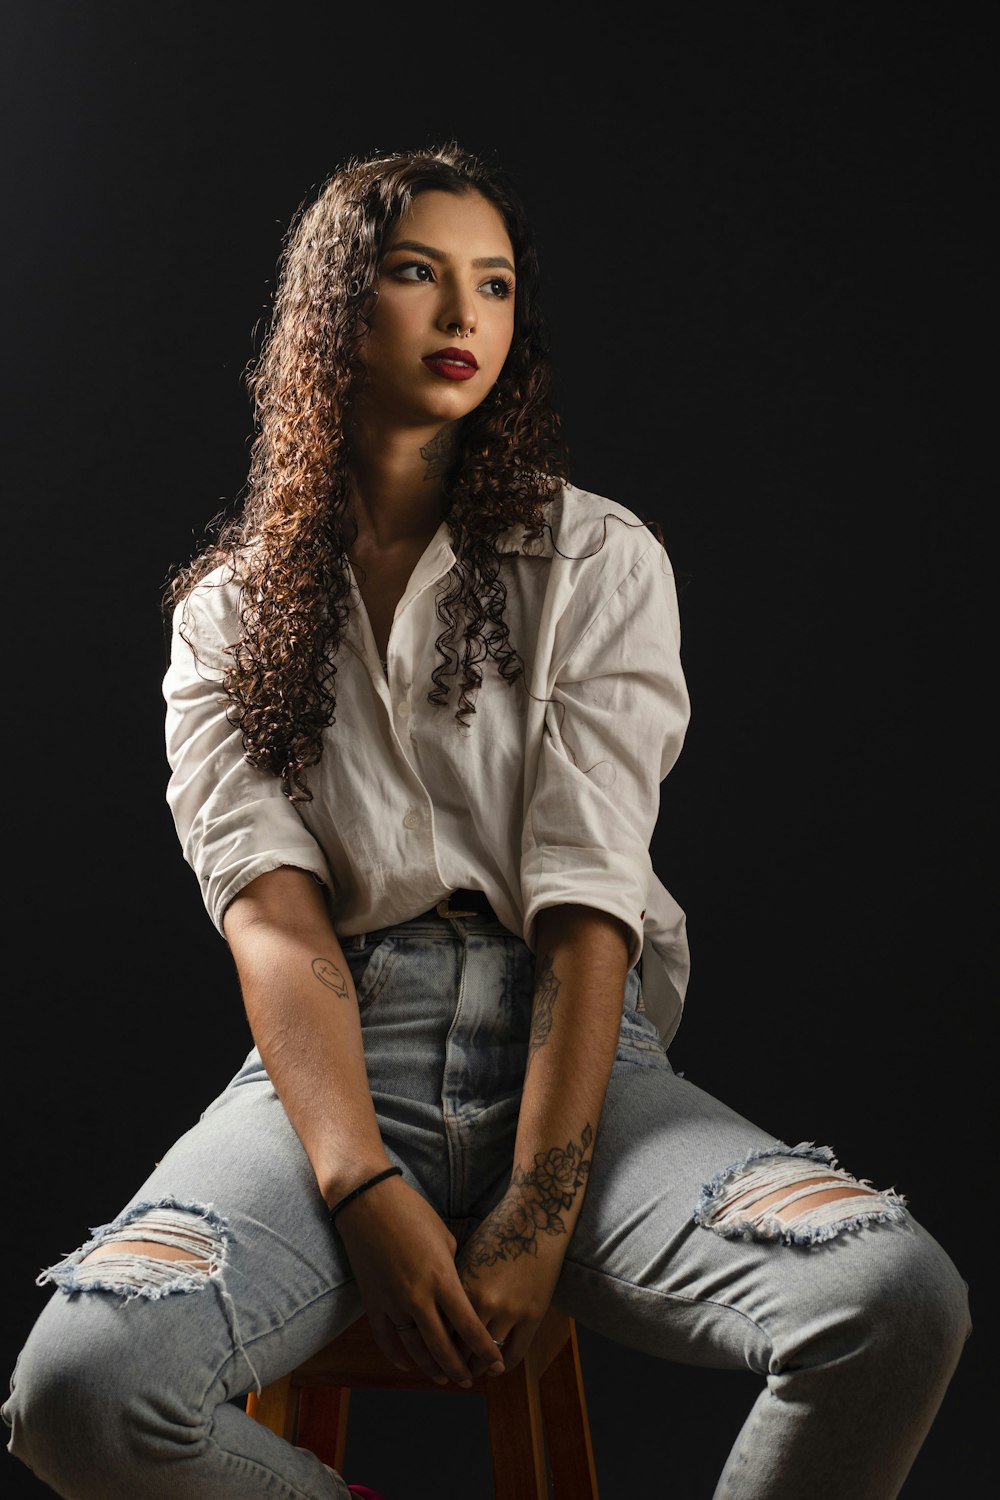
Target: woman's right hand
point(403, 1257)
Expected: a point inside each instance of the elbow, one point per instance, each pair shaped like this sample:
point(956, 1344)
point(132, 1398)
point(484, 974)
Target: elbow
point(286, 898)
point(574, 923)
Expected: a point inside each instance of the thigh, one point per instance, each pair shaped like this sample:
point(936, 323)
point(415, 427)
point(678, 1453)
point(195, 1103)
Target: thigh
point(273, 1282)
point(672, 1253)
point(238, 1189)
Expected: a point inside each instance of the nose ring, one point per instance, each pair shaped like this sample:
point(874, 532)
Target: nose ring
point(458, 329)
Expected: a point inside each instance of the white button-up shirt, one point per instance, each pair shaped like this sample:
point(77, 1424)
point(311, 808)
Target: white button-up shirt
point(551, 793)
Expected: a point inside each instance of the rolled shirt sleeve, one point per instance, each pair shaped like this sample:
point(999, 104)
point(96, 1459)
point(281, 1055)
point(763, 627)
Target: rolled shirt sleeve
point(233, 821)
point(614, 724)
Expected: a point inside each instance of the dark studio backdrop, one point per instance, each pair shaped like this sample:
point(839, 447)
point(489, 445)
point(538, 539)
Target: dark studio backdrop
point(764, 266)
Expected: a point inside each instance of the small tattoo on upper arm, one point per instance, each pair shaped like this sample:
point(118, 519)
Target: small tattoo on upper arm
point(327, 973)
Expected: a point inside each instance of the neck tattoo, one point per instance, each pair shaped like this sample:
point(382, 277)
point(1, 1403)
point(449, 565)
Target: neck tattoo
point(438, 454)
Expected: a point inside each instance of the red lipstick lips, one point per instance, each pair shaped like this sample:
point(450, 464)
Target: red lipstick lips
point(452, 364)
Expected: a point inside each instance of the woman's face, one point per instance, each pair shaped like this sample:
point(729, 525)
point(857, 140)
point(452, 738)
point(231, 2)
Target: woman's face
point(444, 317)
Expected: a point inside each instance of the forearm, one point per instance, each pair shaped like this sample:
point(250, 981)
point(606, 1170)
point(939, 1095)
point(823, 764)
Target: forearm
point(581, 965)
point(302, 1009)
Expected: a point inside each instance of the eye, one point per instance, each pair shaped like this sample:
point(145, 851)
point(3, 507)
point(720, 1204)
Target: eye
point(414, 270)
point(499, 287)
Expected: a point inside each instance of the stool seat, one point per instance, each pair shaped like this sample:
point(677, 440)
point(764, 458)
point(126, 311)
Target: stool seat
point(540, 1406)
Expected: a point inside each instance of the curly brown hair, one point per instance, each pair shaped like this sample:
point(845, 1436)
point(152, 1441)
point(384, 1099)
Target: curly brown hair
point(287, 545)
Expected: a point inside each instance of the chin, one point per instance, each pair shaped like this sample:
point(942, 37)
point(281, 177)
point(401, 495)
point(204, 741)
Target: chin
point(452, 407)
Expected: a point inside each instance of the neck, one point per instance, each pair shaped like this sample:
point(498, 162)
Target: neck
point(396, 479)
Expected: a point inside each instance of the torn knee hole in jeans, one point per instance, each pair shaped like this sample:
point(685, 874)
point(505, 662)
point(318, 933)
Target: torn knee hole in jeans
point(795, 1195)
point(150, 1250)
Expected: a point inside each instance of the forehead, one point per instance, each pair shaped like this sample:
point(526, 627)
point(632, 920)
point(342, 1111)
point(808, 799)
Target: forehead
point(465, 226)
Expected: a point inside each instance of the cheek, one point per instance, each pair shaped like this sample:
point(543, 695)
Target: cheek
point(381, 351)
point(389, 324)
point(501, 346)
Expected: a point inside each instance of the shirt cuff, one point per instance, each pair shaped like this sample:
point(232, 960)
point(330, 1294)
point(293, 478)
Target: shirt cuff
point(561, 875)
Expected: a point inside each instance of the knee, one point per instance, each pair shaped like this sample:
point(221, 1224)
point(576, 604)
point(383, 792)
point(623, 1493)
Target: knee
point(890, 1301)
point(877, 1284)
point(95, 1395)
point(95, 1390)
point(916, 1298)
point(122, 1369)
point(66, 1406)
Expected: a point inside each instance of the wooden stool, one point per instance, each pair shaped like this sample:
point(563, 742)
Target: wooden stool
point(539, 1404)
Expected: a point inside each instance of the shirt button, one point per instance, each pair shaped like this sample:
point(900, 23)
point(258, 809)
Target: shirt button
point(412, 819)
point(403, 709)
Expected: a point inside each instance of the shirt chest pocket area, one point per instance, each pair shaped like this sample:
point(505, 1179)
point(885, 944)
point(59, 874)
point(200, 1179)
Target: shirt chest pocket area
point(483, 757)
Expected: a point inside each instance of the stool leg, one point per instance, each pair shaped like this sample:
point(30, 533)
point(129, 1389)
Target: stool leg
point(567, 1427)
point(517, 1442)
point(322, 1424)
point(275, 1407)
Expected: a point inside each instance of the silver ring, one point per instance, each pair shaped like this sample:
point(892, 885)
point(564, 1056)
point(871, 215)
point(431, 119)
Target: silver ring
point(499, 1343)
point(404, 1327)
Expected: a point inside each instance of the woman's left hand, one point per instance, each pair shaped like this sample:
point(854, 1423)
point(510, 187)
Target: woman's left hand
point(509, 1267)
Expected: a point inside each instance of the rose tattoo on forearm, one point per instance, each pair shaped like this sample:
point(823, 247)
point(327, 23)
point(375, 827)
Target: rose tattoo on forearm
point(532, 1205)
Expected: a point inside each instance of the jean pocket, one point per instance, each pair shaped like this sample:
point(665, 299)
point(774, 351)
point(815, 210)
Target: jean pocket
point(639, 1042)
point(370, 970)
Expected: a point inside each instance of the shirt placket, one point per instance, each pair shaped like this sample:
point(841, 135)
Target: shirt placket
point(398, 675)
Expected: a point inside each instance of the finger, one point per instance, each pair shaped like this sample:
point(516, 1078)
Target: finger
point(446, 1347)
point(495, 1361)
point(404, 1345)
point(433, 1352)
point(484, 1357)
point(387, 1339)
point(518, 1343)
point(515, 1343)
point(480, 1347)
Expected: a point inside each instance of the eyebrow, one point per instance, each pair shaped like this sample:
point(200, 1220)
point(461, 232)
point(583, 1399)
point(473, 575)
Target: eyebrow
point(485, 262)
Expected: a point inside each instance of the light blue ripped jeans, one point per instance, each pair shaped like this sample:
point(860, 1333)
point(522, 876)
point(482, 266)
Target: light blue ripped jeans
point(853, 1316)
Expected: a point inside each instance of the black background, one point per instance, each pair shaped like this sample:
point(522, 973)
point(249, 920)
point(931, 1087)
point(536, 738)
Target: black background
point(763, 244)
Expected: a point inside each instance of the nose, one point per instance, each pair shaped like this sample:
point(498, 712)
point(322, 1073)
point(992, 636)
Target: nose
point(458, 315)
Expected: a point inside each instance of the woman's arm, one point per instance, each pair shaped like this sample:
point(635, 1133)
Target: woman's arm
point(302, 1008)
point(580, 969)
point(510, 1265)
point(615, 709)
point(303, 1012)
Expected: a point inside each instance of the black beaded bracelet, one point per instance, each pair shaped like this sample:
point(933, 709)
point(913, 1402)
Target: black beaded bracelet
point(363, 1187)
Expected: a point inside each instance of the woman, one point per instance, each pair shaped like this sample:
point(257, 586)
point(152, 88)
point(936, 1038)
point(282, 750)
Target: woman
point(421, 697)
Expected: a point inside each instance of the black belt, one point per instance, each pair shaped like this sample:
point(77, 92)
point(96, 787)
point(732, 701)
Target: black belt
point(460, 904)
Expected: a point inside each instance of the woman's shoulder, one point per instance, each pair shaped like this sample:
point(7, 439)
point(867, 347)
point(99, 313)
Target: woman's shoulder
point(585, 524)
point(210, 607)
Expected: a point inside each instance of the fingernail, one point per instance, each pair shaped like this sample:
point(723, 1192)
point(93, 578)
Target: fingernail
point(465, 1384)
point(440, 1380)
point(498, 1368)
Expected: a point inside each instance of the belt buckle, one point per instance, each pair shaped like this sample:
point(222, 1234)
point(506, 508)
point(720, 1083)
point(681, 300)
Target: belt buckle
point(444, 909)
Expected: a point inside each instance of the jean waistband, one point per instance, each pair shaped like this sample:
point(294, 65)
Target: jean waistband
point(458, 904)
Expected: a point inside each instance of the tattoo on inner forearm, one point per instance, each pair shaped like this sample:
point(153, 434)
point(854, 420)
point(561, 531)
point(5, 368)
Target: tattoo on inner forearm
point(327, 973)
point(546, 990)
point(532, 1205)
